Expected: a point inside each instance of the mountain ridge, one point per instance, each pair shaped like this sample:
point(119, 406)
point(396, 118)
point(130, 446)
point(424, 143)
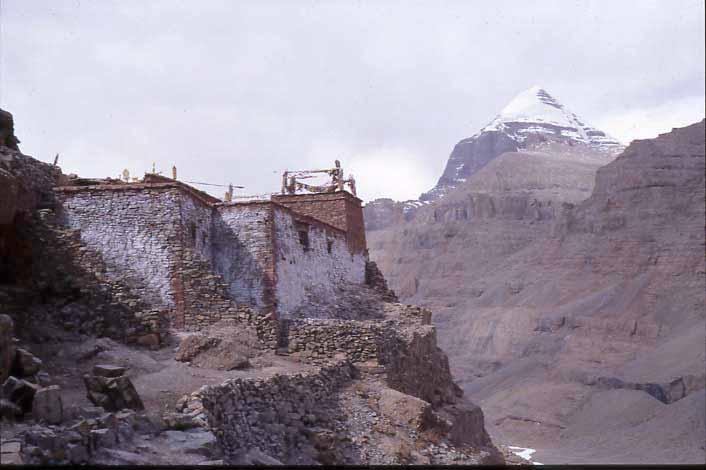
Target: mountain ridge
point(532, 117)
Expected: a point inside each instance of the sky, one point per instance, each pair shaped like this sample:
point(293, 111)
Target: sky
point(238, 91)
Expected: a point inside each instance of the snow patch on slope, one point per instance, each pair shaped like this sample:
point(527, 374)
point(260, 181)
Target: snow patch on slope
point(525, 453)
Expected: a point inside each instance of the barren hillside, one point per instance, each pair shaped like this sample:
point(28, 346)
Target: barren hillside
point(579, 326)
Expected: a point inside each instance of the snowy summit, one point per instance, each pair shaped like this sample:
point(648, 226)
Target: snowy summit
point(535, 111)
point(530, 118)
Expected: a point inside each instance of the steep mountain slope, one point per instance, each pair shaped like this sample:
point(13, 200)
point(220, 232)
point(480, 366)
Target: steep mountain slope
point(578, 327)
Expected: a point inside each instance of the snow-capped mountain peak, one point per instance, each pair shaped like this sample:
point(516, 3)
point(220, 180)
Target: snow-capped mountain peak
point(535, 112)
point(532, 119)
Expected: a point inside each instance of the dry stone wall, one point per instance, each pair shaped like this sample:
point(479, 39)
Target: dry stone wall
point(312, 271)
point(243, 252)
point(136, 231)
point(195, 259)
point(289, 417)
point(318, 341)
point(273, 414)
point(339, 209)
point(405, 343)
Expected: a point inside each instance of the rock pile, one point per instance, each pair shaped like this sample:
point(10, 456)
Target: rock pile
point(226, 345)
point(190, 412)
point(22, 392)
point(109, 388)
point(75, 444)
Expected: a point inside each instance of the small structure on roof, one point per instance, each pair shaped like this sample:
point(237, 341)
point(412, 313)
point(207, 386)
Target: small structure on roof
point(292, 184)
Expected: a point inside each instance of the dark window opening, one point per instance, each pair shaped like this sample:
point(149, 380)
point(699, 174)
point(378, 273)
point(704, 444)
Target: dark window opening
point(303, 230)
point(329, 245)
point(304, 239)
point(192, 231)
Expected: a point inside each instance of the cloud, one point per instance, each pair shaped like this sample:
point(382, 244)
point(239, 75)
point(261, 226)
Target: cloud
point(649, 122)
point(395, 173)
point(239, 91)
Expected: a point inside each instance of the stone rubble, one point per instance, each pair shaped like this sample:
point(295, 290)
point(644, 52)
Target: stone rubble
point(109, 388)
point(47, 406)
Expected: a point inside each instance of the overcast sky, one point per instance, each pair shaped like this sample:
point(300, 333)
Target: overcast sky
point(237, 91)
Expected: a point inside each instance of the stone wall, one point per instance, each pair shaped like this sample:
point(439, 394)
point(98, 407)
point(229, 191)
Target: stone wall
point(313, 263)
point(181, 252)
point(273, 414)
point(243, 252)
point(156, 240)
point(340, 209)
point(286, 416)
point(317, 341)
point(137, 231)
point(69, 287)
point(404, 342)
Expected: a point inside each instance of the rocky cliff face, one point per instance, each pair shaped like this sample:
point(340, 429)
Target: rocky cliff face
point(25, 186)
point(555, 309)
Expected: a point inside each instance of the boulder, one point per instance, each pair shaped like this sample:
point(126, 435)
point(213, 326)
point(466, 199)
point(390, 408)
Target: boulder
point(7, 347)
point(192, 345)
point(405, 409)
point(76, 453)
point(467, 425)
point(26, 364)
point(82, 412)
point(179, 421)
point(44, 379)
point(257, 457)
point(194, 441)
point(103, 438)
point(108, 371)
point(20, 392)
point(112, 393)
point(10, 453)
point(223, 347)
point(150, 340)
point(119, 457)
point(7, 131)
point(47, 405)
point(9, 410)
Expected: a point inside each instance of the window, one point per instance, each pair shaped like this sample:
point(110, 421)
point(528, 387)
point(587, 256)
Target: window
point(303, 230)
point(329, 245)
point(192, 231)
point(304, 239)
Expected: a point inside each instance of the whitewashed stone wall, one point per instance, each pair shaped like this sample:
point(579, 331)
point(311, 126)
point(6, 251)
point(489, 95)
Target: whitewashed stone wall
point(242, 252)
point(196, 220)
point(313, 275)
point(135, 231)
point(161, 241)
